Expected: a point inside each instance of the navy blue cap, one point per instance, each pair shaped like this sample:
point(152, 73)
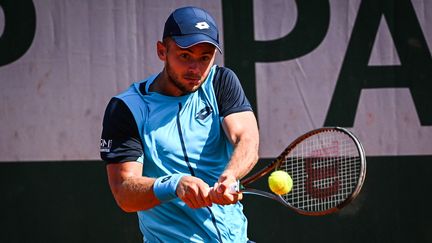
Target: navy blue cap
point(189, 26)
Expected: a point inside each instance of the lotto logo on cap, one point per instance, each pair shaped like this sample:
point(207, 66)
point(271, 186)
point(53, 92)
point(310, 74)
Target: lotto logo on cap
point(202, 25)
point(189, 26)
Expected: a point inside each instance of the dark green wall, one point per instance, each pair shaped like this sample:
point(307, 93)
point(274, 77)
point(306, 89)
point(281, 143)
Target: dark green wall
point(71, 202)
point(61, 202)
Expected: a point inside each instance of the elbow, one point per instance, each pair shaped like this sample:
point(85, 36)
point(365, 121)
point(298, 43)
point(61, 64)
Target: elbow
point(133, 203)
point(122, 200)
point(125, 206)
point(128, 209)
point(131, 208)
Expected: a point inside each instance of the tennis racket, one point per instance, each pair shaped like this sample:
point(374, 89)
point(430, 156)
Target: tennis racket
point(328, 168)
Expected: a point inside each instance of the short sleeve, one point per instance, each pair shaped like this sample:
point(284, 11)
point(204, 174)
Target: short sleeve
point(229, 92)
point(120, 139)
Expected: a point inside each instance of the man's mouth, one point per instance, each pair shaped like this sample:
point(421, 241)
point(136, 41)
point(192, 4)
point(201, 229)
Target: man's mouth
point(194, 80)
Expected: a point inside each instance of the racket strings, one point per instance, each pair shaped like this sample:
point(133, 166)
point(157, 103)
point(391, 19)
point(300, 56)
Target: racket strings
point(325, 169)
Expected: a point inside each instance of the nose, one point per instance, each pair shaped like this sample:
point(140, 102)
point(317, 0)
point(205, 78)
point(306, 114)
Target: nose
point(193, 66)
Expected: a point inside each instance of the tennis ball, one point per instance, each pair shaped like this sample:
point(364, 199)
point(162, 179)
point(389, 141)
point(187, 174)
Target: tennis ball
point(280, 182)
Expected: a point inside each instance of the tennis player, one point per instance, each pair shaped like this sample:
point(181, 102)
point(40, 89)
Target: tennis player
point(175, 141)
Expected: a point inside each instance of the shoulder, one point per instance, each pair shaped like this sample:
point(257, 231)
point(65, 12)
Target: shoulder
point(117, 116)
point(223, 74)
point(229, 92)
point(116, 107)
point(225, 79)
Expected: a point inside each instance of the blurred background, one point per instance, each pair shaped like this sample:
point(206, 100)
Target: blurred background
point(361, 64)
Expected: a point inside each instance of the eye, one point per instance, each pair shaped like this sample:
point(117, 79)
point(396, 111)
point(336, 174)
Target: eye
point(205, 58)
point(184, 56)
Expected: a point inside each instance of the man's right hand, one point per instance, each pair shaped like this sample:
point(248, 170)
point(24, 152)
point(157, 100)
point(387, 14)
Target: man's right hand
point(194, 192)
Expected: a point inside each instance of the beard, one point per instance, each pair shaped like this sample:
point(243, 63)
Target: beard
point(174, 80)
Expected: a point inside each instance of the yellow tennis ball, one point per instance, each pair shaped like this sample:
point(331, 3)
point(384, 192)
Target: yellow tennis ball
point(280, 182)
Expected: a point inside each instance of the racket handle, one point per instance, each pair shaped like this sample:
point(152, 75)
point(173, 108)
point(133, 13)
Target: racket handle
point(237, 187)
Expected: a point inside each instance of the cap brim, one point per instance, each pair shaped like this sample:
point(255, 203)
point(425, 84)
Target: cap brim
point(187, 41)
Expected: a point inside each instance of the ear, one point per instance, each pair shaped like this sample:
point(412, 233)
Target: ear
point(161, 50)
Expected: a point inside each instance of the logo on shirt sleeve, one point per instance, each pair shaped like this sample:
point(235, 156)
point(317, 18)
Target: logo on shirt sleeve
point(105, 145)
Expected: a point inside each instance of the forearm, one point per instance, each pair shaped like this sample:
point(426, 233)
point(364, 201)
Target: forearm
point(244, 157)
point(131, 190)
point(135, 194)
point(242, 131)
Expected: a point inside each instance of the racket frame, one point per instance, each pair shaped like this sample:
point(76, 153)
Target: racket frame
point(242, 185)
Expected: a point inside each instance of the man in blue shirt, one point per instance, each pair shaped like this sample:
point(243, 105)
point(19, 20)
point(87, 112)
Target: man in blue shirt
point(176, 142)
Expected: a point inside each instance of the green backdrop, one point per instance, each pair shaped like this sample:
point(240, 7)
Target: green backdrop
point(71, 202)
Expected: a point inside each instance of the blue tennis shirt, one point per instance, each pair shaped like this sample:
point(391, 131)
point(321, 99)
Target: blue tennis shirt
point(179, 135)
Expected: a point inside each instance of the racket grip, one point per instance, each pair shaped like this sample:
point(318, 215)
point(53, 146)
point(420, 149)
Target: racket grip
point(235, 187)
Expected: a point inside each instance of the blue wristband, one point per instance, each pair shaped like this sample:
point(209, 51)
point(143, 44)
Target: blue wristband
point(165, 187)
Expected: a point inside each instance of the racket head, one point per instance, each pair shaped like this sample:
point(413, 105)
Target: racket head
point(328, 168)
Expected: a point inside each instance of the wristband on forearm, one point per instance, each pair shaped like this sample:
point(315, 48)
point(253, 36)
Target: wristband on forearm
point(165, 187)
